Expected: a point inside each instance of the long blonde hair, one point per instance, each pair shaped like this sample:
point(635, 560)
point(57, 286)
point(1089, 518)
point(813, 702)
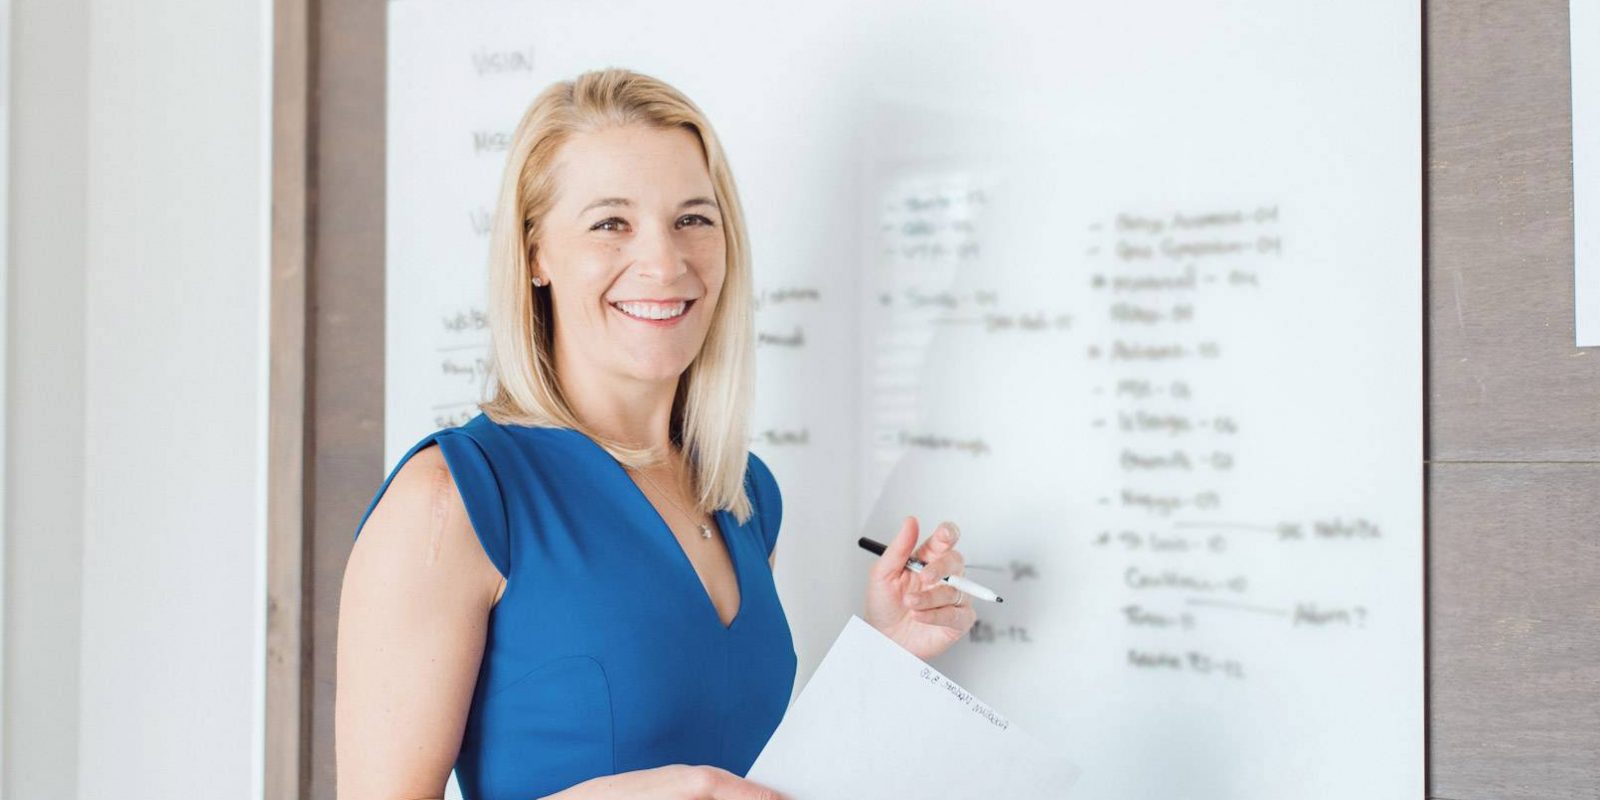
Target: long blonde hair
point(711, 408)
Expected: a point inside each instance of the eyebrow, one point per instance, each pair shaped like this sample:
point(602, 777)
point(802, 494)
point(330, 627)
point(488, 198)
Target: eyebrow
point(623, 201)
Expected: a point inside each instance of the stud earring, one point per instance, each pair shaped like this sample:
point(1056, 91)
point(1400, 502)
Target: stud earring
point(537, 282)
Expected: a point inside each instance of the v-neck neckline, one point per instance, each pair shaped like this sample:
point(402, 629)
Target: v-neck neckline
point(718, 517)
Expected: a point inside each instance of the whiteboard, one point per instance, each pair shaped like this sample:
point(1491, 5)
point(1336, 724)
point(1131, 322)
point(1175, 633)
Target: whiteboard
point(1131, 292)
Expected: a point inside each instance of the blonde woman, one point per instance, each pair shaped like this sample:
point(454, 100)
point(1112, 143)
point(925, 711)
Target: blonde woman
point(571, 595)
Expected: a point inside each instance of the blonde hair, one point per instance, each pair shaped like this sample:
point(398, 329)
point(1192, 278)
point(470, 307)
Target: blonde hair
point(710, 410)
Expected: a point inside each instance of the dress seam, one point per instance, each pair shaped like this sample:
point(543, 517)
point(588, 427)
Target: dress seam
point(611, 711)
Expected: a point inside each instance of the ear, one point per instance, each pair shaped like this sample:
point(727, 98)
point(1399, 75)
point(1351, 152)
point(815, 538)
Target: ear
point(536, 269)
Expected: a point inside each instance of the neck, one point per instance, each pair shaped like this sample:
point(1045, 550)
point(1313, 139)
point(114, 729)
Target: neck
point(636, 413)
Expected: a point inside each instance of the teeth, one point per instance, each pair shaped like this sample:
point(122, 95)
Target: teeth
point(652, 310)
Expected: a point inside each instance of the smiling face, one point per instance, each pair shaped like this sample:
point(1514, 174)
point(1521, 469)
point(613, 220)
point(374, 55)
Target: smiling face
point(633, 251)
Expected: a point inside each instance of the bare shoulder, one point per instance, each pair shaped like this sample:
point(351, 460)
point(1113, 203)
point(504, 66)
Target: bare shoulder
point(413, 617)
point(419, 535)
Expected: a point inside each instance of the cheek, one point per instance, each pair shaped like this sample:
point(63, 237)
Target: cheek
point(586, 275)
point(595, 261)
point(713, 272)
point(580, 309)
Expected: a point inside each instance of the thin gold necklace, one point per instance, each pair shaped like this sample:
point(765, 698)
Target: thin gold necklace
point(705, 530)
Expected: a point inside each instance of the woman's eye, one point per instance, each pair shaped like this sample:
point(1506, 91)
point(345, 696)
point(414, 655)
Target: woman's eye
point(608, 224)
point(702, 220)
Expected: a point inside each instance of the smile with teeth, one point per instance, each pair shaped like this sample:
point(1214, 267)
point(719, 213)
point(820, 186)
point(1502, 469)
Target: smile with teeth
point(653, 311)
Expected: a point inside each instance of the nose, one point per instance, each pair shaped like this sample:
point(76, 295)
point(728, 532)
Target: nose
point(656, 255)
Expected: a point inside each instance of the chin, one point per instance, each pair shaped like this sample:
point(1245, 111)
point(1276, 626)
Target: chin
point(656, 361)
point(658, 370)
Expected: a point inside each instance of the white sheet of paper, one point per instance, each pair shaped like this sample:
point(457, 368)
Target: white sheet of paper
point(875, 721)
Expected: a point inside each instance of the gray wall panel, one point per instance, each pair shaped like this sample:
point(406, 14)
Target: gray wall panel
point(1515, 631)
point(1514, 548)
point(1506, 382)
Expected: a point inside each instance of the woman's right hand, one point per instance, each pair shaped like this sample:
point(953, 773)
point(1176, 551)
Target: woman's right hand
point(672, 782)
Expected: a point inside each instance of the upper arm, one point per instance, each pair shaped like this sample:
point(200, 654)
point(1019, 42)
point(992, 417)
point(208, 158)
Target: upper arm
point(413, 615)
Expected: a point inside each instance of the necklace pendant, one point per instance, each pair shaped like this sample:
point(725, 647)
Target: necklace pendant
point(705, 531)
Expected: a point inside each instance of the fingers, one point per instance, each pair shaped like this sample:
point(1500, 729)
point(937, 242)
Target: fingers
point(737, 788)
point(959, 618)
point(716, 783)
point(942, 541)
point(895, 553)
point(941, 595)
point(951, 563)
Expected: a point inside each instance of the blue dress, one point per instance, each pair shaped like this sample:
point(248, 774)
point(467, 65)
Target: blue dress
point(604, 653)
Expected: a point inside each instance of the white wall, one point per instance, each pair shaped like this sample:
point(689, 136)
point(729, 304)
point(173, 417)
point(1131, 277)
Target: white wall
point(44, 406)
point(137, 368)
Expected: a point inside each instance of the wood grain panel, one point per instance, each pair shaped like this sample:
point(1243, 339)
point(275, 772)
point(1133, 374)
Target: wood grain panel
point(1514, 646)
point(1514, 548)
point(347, 349)
point(284, 738)
point(1505, 380)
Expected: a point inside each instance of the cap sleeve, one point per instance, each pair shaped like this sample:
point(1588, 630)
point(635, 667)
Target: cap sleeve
point(767, 499)
point(476, 483)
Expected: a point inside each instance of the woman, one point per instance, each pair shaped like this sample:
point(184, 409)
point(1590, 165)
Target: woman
point(564, 596)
